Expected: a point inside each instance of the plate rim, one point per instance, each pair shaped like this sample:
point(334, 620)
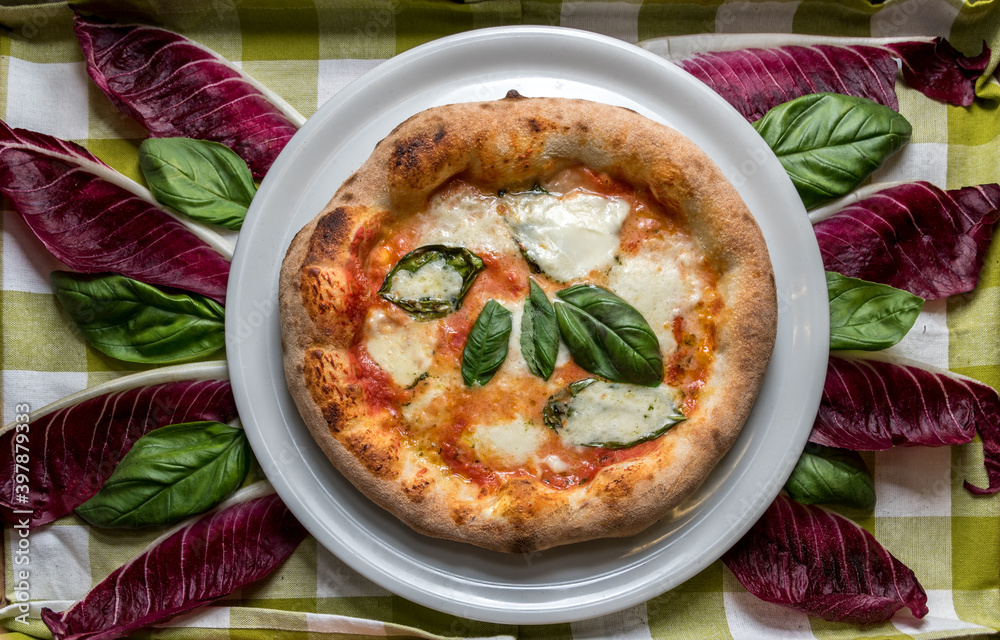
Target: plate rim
point(494, 610)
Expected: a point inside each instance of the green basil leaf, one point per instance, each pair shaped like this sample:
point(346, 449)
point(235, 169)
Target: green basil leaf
point(486, 346)
point(169, 474)
point(431, 282)
point(868, 316)
point(137, 322)
point(594, 413)
point(607, 336)
point(827, 475)
point(829, 143)
point(556, 409)
point(539, 333)
point(204, 180)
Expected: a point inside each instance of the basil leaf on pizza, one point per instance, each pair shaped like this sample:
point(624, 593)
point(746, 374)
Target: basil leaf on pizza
point(594, 413)
point(486, 348)
point(607, 336)
point(431, 282)
point(539, 333)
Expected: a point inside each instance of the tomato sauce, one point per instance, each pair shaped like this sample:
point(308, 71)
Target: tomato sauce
point(381, 392)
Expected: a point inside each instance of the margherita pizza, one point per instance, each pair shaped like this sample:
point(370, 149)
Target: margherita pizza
point(528, 322)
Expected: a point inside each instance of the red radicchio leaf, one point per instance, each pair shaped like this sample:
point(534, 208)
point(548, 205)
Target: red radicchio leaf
point(198, 564)
point(178, 88)
point(755, 80)
point(857, 410)
point(913, 236)
point(939, 71)
point(72, 452)
point(76, 205)
point(822, 564)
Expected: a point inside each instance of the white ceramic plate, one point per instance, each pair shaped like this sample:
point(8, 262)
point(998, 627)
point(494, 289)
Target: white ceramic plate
point(567, 583)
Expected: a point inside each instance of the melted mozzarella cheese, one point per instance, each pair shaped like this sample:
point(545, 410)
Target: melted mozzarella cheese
point(433, 280)
point(556, 463)
point(429, 404)
point(609, 412)
point(660, 287)
point(568, 236)
point(512, 443)
point(403, 347)
point(465, 218)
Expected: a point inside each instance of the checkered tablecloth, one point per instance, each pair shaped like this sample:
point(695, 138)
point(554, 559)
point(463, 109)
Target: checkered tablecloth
point(308, 50)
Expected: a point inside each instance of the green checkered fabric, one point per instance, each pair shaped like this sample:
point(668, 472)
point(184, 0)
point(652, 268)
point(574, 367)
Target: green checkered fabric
point(306, 51)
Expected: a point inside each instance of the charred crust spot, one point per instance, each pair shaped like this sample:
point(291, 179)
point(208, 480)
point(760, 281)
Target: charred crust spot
point(351, 180)
point(535, 125)
point(408, 153)
point(462, 515)
point(333, 225)
point(619, 489)
point(333, 416)
point(424, 152)
point(513, 95)
point(331, 232)
point(417, 490)
point(582, 127)
point(517, 503)
point(323, 292)
point(380, 460)
point(324, 377)
point(524, 543)
point(347, 197)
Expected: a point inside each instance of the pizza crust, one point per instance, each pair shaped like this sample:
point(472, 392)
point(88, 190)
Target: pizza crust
point(497, 145)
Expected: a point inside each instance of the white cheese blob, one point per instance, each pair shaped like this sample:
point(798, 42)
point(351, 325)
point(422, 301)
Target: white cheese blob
point(609, 412)
point(556, 463)
point(429, 405)
point(462, 217)
point(434, 280)
point(403, 347)
point(567, 236)
point(511, 443)
point(661, 286)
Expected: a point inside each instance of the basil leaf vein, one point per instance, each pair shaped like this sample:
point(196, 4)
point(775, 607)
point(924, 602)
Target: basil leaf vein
point(137, 322)
point(607, 336)
point(868, 316)
point(539, 333)
point(204, 180)
point(487, 344)
point(169, 474)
